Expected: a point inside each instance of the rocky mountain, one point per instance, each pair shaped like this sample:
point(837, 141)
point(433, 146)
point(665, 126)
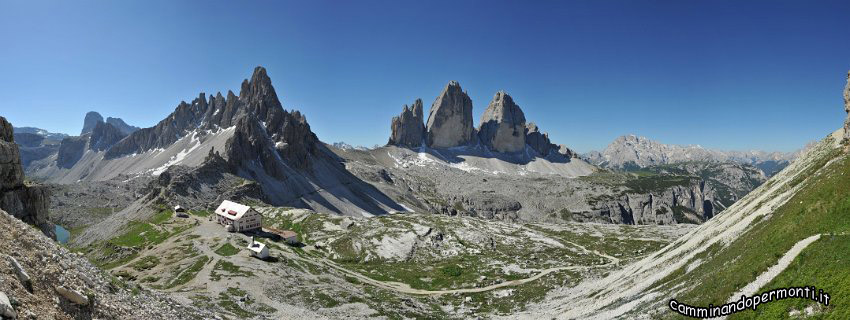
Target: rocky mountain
point(22, 200)
point(450, 119)
point(44, 133)
point(121, 125)
point(345, 146)
point(34, 147)
point(92, 118)
point(633, 152)
point(503, 125)
point(408, 128)
point(253, 135)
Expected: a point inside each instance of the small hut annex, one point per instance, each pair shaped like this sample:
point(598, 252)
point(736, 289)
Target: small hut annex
point(238, 217)
point(258, 249)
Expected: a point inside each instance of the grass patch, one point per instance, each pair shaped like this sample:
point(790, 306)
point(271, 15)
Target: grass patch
point(226, 250)
point(823, 262)
point(819, 207)
point(146, 263)
point(186, 275)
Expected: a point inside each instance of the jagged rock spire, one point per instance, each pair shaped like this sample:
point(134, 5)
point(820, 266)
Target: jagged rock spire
point(450, 118)
point(408, 128)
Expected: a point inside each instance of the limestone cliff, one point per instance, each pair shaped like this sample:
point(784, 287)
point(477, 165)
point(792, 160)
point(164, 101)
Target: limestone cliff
point(450, 119)
point(28, 203)
point(503, 125)
point(408, 128)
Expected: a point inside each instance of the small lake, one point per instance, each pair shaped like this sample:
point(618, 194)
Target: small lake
point(62, 235)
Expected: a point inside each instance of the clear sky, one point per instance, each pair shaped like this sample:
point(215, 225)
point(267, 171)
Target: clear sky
point(722, 74)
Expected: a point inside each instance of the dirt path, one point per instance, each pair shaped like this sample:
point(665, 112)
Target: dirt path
point(405, 288)
point(776, 269)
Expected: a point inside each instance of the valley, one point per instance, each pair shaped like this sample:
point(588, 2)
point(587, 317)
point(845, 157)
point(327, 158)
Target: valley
point(446, 221)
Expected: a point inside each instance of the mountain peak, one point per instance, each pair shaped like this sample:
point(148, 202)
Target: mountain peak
point(91, 119)
point(503, 124)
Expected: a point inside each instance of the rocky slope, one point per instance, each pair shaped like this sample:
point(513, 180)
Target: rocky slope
point(551, 189)
point(450, 119)
point(502, 126)
point(26, 202)
point(47, 281)
point(633, 152)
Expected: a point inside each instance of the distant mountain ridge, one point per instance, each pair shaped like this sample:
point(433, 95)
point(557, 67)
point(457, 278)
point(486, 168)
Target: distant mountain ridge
point(44, 133)
point(631, 151)
point(248, 138)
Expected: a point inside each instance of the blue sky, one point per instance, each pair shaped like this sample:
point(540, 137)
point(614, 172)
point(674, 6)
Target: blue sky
point(722, 74)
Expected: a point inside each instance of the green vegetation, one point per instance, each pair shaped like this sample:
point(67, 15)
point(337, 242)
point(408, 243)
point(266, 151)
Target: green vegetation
point(227, 250)
point(186, 275)
point(819, 207)
point(823, 262)
point(145, 263)
point(226, 268)
point(200, 213)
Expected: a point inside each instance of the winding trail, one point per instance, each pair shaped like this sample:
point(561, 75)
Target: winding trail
point(406, 288)
point(776, 269)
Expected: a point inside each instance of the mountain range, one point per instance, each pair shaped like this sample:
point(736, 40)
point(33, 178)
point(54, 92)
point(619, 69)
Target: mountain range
point(635, 152)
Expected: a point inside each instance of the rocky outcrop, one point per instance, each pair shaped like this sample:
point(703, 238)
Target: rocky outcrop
point(121, 125)
point(92, 119)
point(503, 125)
point(104, 136)
point(847, 107)
point(540, 141)
point(408, 128)
point(28, 203)
point(679, 204)
point(450, 119)
point(71, 150)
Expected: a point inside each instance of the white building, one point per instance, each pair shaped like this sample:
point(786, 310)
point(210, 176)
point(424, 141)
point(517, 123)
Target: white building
point(258, 249)
point(238, 217)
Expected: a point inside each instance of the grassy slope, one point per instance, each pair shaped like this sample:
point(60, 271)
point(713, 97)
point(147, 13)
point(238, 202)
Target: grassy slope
point(822, 206)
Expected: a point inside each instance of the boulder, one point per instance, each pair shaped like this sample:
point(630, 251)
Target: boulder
point(503, 125)
point(72, 295)
point(6, 309)
point(450, 119)
point(408, 128)
point(22, 275)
